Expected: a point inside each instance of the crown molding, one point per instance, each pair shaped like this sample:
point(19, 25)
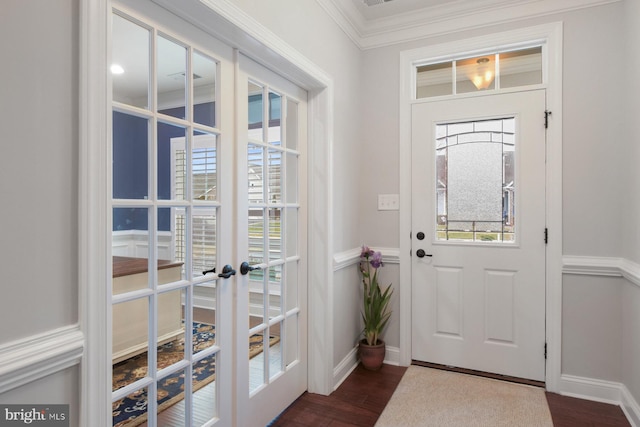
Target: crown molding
point(449, 18)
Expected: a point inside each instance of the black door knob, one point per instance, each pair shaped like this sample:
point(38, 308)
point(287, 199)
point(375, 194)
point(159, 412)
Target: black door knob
point(421, 253)
point(213, 270)
point(420, 235)
point(245, 268)
point(227, 271)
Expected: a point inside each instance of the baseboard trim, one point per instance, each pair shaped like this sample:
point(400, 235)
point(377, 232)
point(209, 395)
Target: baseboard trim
point(345, 367)
point(602, 391)
point(29, 359)
point(630, 407)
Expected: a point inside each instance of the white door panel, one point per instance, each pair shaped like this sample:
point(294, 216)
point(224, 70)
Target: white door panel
point(478, 289)
point(271, 302)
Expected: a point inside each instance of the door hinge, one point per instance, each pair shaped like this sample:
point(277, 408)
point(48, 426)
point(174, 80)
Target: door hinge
point(547, 113)
point(546, 235)
point(545, 350)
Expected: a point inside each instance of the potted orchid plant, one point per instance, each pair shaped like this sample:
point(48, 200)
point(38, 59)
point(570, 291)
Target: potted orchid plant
point(375, 309)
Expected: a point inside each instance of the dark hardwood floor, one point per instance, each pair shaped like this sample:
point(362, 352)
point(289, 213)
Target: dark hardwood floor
point(360, 399)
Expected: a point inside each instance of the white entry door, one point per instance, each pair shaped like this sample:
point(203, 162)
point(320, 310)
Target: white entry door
point(478, 233)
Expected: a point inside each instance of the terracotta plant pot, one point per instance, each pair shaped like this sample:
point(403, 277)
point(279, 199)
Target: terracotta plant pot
point(371, 356)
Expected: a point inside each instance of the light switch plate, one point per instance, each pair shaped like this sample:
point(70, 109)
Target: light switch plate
point(388, 202)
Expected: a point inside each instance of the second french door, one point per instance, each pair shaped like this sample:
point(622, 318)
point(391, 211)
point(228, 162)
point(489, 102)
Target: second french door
point(208, 230)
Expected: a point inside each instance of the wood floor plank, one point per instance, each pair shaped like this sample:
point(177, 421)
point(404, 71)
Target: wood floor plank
point(360, 399)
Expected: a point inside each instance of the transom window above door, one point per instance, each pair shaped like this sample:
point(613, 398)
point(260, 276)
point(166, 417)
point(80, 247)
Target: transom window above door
point(500, 70)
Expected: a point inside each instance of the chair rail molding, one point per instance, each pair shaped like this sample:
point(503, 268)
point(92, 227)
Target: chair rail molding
point(352, 256)
point(602, 266)
point(29, 359)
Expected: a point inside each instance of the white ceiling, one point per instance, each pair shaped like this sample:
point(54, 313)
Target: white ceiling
point(396, 21)
point(375, 9)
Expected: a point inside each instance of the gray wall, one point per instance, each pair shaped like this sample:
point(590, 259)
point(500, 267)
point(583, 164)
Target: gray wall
point(631, 202)
point(39, 111)
point(39, 177)
point(601, 212)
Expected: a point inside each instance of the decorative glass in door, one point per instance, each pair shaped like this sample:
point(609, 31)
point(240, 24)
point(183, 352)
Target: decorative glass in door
point(273, 209)
point(165, 217)
point(476, 181)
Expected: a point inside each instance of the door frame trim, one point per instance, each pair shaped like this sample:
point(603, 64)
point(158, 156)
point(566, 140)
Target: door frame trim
point(225, 21)
point(550, 35)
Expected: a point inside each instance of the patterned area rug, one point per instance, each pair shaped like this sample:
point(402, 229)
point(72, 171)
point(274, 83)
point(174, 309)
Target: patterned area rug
point(132, 410)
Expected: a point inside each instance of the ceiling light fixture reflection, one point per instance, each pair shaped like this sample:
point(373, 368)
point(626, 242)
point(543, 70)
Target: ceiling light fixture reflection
point(483, 77)
point(116, 69)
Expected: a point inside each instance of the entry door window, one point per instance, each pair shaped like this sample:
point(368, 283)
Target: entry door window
point(475, 182)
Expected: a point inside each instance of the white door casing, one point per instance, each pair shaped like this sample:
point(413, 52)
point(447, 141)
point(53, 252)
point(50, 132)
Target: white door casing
point(478, 304)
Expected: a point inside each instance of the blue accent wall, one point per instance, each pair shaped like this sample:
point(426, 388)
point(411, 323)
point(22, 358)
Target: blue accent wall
point(130, 163)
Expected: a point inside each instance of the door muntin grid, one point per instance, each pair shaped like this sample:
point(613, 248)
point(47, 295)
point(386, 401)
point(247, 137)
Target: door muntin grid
point(273, 209)
point(169, 236)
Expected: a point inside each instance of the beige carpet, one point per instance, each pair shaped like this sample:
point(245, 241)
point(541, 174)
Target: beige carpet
point(431, 397)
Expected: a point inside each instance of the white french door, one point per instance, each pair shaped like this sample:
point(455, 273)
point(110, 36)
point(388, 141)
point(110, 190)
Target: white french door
point(478, 227)
point(208, 173)
point(272, 298)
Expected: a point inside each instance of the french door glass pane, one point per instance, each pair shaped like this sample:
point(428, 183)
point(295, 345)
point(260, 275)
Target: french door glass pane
point(275, 291)
point(203, 377)
point(130, 55)
point(130, 156)
point(171, 168)
point(256, 238)
point(275, 182)
point(291, 285)
point(204, 166)
point(130, 338)
point(275, 118)
point(292, 177)
point(291, 137)
point(291, 231)
point(204, 316)
point(171, 78)
point(168, 387)
point(275, 350)
point(203, 240)
point(275, 234)
point(256, 112)
point(171, 328)
point(291, 340)
point(204, 89)
point(255, 167)
point(170, 245)
point(132, 406)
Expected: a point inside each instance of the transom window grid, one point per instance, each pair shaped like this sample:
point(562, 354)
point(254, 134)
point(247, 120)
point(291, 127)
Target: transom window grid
point(273, 211)
point(193, 224)
point(484, 209)
point(493, 71)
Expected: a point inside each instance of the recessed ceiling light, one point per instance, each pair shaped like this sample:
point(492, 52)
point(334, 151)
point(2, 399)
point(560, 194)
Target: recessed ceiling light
point(116, 69)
